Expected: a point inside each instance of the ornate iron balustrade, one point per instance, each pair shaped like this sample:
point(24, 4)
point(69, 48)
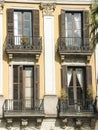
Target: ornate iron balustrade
point(24, 105)
point(75, 106)
point(23, 43)
point(73, 45)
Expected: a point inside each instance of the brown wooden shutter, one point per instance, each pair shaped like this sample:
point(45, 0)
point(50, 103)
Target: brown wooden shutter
point(62, 23)
point(20, 74)
point(17, 82)
point(86, 27)
point(35, 20)
point(36, 84)
point(10, 21)
point(88, 76)
point(64, 77)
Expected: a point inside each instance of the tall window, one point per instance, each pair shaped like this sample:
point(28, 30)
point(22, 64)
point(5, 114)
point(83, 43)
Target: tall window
point(75, 85)
point(22, 26)
point(25, 85)
point(73, 29)
point(75, 81)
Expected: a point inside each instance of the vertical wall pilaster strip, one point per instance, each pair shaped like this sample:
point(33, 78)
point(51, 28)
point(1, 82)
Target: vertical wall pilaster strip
point(1, 61)
point(96, 57)
point(49, 55)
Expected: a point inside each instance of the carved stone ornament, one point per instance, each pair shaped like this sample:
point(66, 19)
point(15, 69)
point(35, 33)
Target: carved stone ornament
point(47, 8)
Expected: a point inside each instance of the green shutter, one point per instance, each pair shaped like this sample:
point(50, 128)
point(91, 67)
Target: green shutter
point(88, 76)
point(86, 27)
point(36, 84)
point(62, 23)
point(35, 20)
point(10, 21)
point(64, 77)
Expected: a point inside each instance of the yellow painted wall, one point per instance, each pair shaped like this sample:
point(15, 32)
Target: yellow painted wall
point(56, 14)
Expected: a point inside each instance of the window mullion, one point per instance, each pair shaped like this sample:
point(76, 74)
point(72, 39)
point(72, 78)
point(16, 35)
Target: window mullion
point(22, 24)
point(73, 28)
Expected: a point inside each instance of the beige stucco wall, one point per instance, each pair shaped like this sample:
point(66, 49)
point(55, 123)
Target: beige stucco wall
point(41, 59)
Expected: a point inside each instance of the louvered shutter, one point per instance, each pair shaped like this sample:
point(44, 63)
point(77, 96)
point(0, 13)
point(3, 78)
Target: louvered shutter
point(17, 86)
point(64, 77)
point(62, 23)
point(35, 20)
point(86, 28)
point(36, 84)
point(88, 76)
point(15, 82)
point(10, 21)
point(20, 74)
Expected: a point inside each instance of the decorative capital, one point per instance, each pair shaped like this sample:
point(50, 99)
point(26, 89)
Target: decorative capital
point(1, 5)
point(48, 8)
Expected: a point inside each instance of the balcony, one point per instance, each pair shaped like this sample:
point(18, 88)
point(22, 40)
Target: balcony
point(74, 46)
point(23, 108)
point(72, 108)
point(23, 45)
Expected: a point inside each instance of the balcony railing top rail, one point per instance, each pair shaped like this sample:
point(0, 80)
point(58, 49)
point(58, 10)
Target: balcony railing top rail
point(23, 42)
point(23, 105)
point(70, 105)
point(74, 44)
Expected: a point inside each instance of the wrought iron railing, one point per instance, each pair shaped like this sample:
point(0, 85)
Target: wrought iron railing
point(75, 106)
point(23, 105)
point(23, 42)
point(74, 44)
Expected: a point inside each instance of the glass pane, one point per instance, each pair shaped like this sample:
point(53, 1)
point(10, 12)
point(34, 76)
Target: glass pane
point(28, 92)
point(77, 33)
point(68, 33)
point(27, 24)
point(71, 96)
point(69, 76)
point(17, 23)
point(79, 73)
point(77, 42)
point(68, 21)
point(68, 17)
point(17, 27)
point(77, 17)
point(28, 71)
point(28, 80)
point(77, 25)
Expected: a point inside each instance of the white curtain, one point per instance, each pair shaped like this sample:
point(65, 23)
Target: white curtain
point(80, 77)
point(69, 75)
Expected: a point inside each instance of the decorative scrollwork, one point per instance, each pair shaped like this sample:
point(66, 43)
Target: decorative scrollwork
point(47, 8)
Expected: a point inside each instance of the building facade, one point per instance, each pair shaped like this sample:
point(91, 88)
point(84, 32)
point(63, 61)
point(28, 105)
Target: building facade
point(47, 66)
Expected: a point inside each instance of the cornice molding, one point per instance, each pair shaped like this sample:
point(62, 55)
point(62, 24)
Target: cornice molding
point(53, 1)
